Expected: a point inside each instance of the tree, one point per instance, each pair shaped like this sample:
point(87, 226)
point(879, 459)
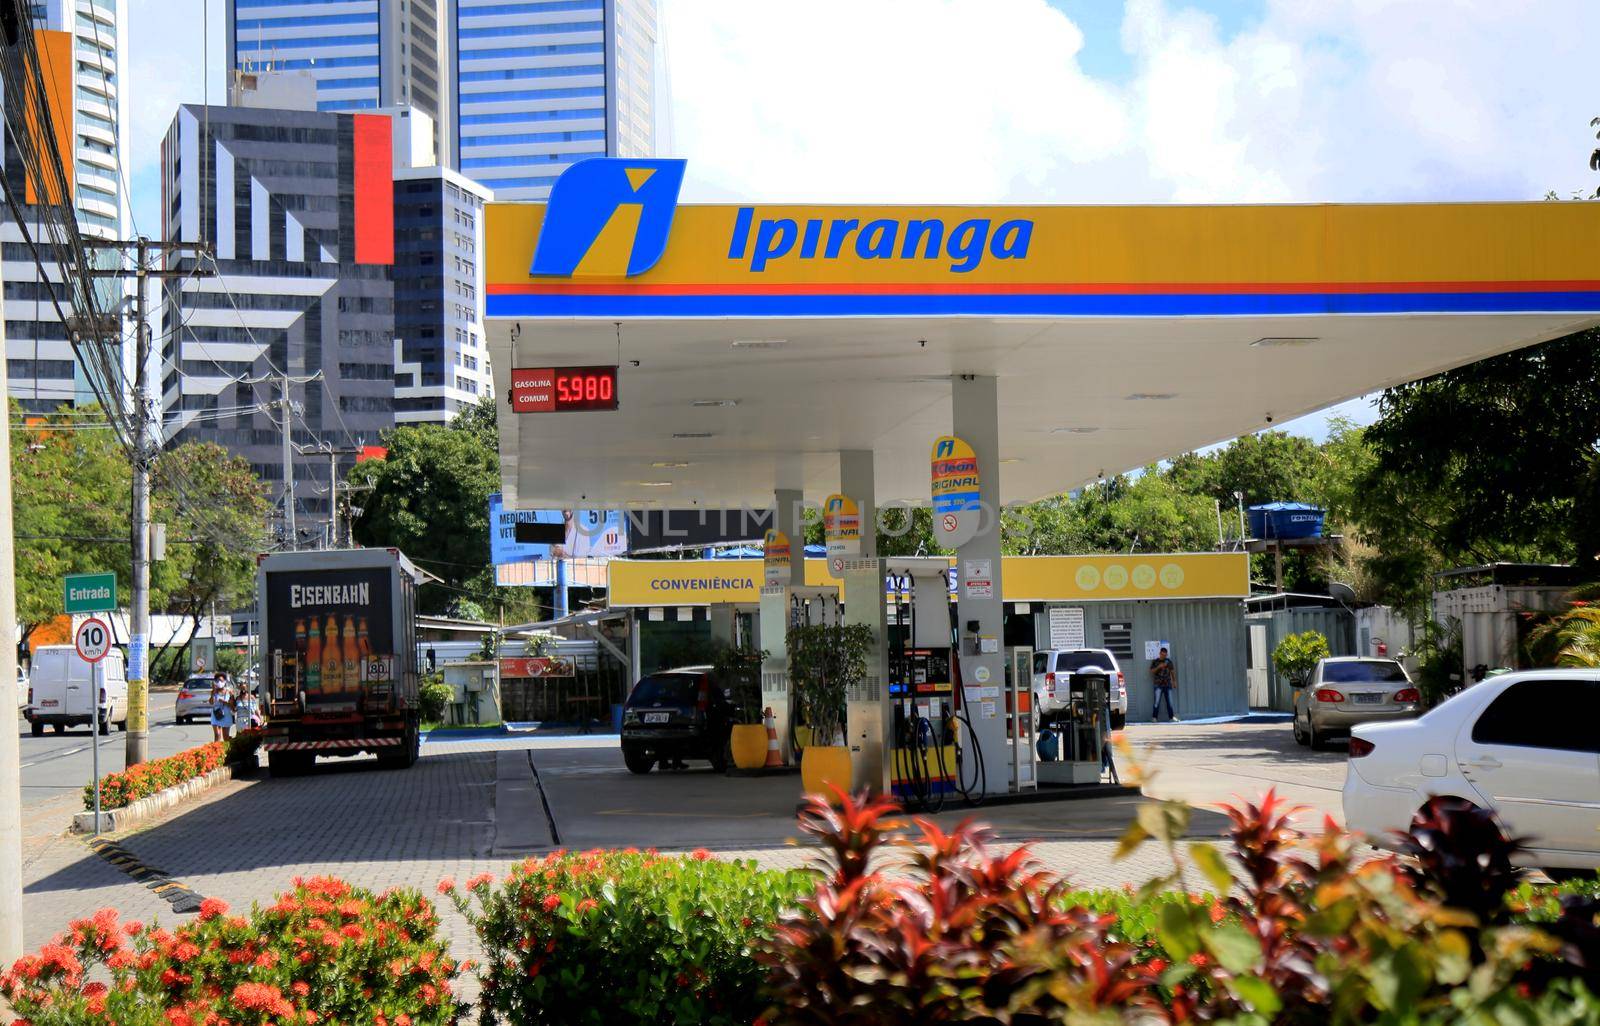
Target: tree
point(71, 489)
point(430, 499)
point(1482, 463)
point(216, 509)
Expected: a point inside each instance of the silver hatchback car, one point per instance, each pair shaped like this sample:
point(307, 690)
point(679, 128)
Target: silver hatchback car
point(1345, 691)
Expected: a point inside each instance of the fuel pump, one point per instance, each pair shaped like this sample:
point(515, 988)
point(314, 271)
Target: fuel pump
point(923, 768)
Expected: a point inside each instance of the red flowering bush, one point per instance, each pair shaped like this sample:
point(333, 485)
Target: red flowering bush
point(325, 952)
point(624, 937)
point(120, 789)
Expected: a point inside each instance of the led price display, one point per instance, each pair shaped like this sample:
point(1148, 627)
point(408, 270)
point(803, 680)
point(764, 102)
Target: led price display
point(563, 389)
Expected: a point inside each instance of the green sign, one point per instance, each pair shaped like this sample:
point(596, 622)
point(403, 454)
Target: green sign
point(91, 593)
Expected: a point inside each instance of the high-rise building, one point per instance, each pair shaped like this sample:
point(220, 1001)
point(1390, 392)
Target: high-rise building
point(82, 48)
point(441, 363)
point(517, 89)
point(299, 207)
point(363, 54)
point(542, 84)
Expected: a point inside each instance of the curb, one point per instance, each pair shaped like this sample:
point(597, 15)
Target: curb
point(463, 734)
point(112, 820)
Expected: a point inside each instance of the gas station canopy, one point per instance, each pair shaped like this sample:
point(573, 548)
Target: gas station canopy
point(755, 343)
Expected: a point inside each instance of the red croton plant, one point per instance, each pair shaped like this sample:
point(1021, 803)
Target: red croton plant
point(943, 927)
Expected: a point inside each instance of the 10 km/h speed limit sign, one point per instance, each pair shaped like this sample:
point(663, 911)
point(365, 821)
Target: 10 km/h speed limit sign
point(93, 640)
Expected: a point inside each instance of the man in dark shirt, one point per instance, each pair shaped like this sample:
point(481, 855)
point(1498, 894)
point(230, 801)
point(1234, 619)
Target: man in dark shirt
point(1165, 677)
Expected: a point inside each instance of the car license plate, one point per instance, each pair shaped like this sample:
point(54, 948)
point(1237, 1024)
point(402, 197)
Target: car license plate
point(657, 717)
point(49, 703)
point(1370, 698)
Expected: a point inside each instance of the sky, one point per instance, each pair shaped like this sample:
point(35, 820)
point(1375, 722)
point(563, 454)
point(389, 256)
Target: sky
point(1068, 101)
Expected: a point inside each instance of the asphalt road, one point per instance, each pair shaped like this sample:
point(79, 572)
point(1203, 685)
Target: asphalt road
point(59, 764)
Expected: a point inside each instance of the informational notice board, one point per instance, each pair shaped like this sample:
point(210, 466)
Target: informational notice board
point(1066, 627)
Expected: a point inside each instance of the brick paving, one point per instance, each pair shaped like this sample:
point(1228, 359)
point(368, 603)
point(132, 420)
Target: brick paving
point(246, 840)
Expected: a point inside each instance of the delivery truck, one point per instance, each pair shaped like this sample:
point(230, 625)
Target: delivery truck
point(338, 656)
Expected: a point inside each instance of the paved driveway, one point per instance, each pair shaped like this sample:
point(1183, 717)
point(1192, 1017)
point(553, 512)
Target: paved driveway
point(475, 806)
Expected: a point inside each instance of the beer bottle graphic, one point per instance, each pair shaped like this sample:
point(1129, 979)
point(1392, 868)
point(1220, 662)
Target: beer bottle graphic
point(363, 643)
point(332, 666)
point(297, 664)
point(352, 656)
point(313, 659)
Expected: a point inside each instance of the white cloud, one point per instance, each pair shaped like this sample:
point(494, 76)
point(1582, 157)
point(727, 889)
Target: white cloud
point(914, 100)
point(984, 100)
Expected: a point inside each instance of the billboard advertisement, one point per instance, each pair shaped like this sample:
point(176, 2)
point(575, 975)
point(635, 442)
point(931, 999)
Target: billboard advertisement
point(330, 632)
point(588, 534)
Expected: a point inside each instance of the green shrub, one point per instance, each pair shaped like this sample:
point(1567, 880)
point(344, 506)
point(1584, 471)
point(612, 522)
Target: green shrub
point(625, 937)
point(241, 748)
point(1297, 654)
point(434, 696)
point(325, 952)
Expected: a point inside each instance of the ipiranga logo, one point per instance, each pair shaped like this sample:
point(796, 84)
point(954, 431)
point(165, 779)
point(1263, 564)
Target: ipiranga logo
point(608, 217)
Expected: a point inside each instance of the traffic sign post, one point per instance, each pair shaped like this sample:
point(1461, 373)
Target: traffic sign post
point(93, 641)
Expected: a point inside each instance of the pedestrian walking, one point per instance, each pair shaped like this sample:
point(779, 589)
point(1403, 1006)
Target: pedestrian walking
point(222, 708)
point(1165, 677)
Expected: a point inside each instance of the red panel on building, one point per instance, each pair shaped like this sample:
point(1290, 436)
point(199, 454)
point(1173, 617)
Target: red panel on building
point(374, 182)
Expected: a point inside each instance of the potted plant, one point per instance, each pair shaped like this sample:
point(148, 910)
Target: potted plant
point(824, 661)
point(738, 669)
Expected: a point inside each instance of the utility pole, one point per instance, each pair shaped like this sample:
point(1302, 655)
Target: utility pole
point(10, 748)
point(286, 411)
point(146, 445)
point(333, 452)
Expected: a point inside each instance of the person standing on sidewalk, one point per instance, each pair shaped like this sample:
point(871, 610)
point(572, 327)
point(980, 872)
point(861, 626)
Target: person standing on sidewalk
point(221, 708)
point(1165, 677)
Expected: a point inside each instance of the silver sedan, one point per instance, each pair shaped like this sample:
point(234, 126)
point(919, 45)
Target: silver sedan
point(194, 700)
point(1346, 691)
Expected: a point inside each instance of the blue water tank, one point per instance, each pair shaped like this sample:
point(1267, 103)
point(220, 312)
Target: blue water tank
point(1286, 520)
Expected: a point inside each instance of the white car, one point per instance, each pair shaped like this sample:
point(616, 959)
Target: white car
point(1525, 744)
point(1055, 665)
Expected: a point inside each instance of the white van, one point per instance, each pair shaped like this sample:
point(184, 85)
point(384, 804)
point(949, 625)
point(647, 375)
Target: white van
point(59, 690)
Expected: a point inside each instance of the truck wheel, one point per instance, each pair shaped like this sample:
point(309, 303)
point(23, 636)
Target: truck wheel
point(36, 728)
point(59, 728)
point(122, 726)
point(1118, 720)
point(638, 761)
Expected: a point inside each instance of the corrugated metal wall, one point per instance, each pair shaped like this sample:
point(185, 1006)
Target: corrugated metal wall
point(1208, 648)
point(1334, 624)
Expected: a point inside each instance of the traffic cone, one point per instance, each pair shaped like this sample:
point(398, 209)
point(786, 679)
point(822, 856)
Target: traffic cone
point(774, 752)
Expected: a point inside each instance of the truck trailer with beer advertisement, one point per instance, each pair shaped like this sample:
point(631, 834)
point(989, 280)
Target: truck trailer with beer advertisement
point(339, 655)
